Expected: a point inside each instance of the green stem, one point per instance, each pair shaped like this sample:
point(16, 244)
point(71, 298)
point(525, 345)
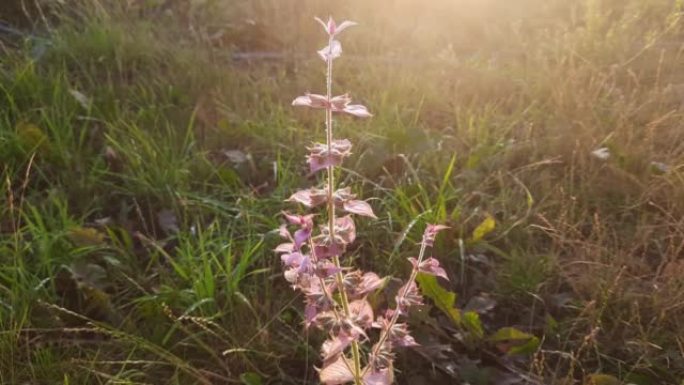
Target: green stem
point(331, 217)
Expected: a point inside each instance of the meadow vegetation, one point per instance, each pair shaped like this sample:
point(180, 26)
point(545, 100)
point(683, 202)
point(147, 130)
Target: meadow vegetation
point(147, 148)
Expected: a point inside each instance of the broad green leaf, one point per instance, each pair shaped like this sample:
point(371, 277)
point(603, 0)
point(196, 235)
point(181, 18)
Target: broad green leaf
point(528, 347)
point(472, 323)
point(601, 379)
point(514, 341)
point(510, 334)
point(445, 300)
point(250, 378)
point(484, 228)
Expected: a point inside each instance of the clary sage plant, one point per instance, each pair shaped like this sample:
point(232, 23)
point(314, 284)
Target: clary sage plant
point(336, 295)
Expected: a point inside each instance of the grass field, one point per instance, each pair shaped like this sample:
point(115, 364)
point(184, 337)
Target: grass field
point(146, 149)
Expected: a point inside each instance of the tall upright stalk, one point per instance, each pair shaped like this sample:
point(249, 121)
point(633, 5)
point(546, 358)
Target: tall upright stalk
point(339, 277)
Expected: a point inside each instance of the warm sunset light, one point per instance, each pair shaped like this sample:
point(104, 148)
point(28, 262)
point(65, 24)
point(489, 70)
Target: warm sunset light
point(364, 192)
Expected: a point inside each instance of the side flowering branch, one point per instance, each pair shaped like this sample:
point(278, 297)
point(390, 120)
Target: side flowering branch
point(393, 334)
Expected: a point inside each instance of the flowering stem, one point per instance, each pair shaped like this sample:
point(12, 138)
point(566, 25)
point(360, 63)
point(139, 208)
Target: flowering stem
point(329, 295)
point(324, 287)
point(385, 333)
point(331, 214)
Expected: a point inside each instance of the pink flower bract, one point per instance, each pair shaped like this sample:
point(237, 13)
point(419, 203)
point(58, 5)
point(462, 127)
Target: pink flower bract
point(331, 28)
point(429, 266)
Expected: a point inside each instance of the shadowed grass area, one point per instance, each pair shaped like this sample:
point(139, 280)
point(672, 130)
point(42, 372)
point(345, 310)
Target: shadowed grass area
point(144, 166)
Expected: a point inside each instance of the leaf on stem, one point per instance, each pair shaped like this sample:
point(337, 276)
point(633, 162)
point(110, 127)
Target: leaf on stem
point(338, 103)
point(310, 197)
point(359, 207)
point(513, 341)
point(357, 110)
point(311, 100)
point(444, 300)
point(472, 323)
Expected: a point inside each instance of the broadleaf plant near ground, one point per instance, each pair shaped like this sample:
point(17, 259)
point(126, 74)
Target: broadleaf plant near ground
point(336, 294)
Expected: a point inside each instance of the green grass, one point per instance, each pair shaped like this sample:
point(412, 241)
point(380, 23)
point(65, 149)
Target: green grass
point(134, 250)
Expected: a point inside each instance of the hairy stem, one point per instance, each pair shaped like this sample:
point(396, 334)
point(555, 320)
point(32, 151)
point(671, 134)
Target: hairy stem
point(331, 215)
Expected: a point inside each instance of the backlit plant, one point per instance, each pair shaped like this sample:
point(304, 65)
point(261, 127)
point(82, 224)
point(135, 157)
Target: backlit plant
point(336, 295)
